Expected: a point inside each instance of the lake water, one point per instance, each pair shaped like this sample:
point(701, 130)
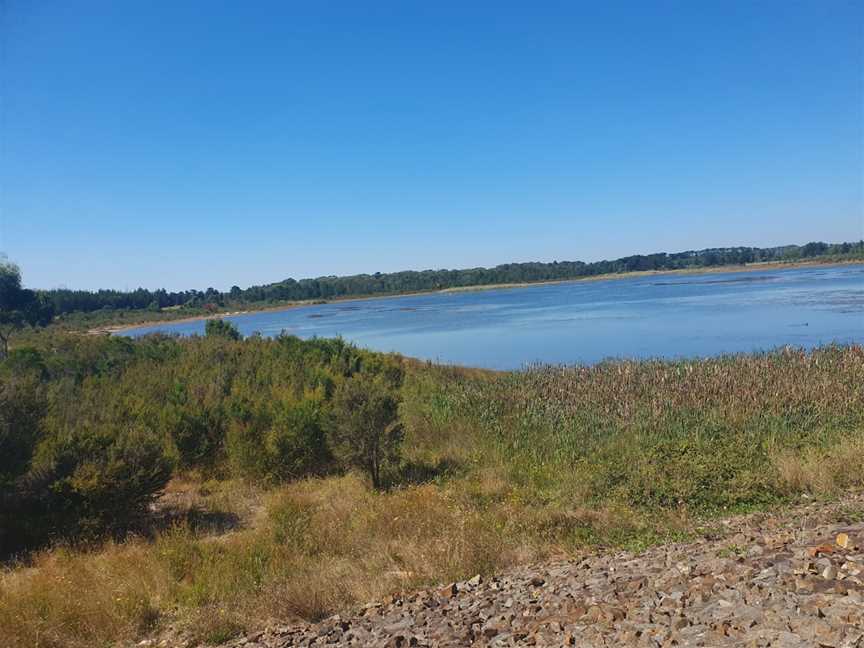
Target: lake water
point(649, 316)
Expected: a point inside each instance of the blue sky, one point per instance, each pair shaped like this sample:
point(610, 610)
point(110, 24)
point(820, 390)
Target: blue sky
point(194, 144)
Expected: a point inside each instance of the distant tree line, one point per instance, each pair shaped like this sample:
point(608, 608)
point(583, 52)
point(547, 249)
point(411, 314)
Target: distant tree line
point(67, 301)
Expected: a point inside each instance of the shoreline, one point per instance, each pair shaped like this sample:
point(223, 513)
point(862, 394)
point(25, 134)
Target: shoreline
point(752, 267)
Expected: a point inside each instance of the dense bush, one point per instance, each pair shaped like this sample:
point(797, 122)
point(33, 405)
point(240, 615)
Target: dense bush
point(91, 429)
point(98, 480)
point(22, 408)
point(221, 328)
point(68, 481)
point(289, 444)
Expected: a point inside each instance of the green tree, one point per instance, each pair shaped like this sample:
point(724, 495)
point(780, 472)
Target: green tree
point(19, 307)
point(366, 431)
point(221, 328)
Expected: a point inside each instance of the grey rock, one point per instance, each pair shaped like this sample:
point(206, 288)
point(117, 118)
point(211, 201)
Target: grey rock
point(775, 593)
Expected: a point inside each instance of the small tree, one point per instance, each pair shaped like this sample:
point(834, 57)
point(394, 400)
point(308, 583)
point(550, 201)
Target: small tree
point(221, 328)
point(366, 432)
point(18, 307)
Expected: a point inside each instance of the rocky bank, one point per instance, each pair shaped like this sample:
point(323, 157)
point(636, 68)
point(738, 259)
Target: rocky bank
point(791, 580)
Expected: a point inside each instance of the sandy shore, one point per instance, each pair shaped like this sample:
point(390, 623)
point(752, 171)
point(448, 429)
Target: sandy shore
point(752, 267)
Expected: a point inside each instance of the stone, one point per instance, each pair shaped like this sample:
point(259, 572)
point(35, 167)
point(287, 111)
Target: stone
point(789, 589)
point(820, 550)
point(755, 551)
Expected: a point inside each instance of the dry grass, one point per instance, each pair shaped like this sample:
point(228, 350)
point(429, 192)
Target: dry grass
point(322, 540)
point(78, 600)
point(823, 472)
point(322, 546)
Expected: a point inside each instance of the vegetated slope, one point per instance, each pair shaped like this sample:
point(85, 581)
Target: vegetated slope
point(791, 580)
point(93, 429)
point(496, 470)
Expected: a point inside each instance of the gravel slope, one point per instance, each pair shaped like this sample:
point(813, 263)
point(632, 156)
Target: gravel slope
point(791, 580)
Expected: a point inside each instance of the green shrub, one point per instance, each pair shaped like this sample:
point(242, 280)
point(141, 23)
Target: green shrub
point(718, 467)
point(22, 408)
point(295, 443)
point(85, 483)
point(366, 432)
point(116, 414)
point(196, 434)
point(221, 328)
point(26, 360)
point(287, 443)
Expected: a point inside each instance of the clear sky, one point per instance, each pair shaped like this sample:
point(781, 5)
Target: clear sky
point(206, 143)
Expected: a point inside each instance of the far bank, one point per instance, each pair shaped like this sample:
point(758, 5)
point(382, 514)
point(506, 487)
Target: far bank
point(178, 316)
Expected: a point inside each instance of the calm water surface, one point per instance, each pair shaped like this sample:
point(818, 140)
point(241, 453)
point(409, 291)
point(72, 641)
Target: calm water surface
point(659, 316)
